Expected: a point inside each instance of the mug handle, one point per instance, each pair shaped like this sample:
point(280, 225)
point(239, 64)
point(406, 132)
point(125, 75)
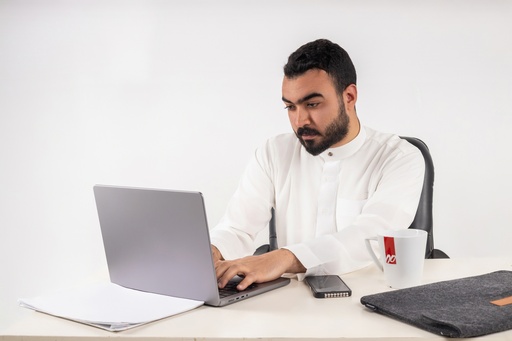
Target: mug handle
point(374, 256)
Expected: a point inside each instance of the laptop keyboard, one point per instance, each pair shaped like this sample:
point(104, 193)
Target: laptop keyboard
point(230, 289)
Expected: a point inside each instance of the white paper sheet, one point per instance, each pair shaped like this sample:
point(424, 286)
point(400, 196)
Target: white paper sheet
point(110, 306)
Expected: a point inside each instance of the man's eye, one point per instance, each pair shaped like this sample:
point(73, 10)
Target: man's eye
point(312, 105)
point(289, 107)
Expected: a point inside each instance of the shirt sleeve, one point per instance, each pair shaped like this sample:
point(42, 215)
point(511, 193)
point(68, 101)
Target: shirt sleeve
point(248, 211)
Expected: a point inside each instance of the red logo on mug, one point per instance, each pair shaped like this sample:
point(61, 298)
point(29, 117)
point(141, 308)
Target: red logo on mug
point(389, 249)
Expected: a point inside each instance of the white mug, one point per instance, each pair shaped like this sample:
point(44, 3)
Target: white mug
point(402, 254)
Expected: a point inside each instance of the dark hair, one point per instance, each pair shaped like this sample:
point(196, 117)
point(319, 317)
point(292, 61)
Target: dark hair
point(324, 55)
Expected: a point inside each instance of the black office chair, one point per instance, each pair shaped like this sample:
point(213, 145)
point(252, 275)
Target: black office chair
point(272, 238)
point(423, 219)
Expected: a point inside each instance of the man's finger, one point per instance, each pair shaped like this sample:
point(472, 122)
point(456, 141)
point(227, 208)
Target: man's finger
point(231, 271)
point(244, 284)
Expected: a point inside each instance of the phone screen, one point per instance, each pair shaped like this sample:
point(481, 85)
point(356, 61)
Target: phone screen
point(328, 286)
point(327, 283)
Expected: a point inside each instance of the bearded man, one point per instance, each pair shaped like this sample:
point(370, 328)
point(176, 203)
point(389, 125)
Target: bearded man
point(332, 183)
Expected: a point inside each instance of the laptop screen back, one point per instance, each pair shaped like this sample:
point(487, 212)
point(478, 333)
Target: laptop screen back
point(157, 241)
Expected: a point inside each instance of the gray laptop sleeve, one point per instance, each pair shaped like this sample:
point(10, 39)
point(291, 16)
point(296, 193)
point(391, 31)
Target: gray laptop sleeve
point(457, 308)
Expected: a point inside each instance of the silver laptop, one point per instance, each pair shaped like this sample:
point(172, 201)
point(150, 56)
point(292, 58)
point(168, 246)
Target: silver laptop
point(158, 241)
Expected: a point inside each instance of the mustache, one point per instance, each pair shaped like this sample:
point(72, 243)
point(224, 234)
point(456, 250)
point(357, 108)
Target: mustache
point(307, 131)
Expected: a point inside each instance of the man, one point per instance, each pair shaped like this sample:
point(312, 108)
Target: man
point(332, 183)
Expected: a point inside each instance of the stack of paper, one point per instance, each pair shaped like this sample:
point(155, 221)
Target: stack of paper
point(110, 306)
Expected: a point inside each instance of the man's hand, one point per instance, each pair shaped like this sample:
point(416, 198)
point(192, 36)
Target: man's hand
point(258, 269)
point(216, 255)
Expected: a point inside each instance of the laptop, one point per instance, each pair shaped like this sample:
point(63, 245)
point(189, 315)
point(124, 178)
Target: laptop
point(158, 241)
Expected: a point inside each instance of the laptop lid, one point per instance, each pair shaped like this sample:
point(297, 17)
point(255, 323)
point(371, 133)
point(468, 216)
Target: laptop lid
point(158, 241)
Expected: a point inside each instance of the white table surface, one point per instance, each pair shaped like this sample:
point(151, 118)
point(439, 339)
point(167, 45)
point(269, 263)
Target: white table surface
point(290, 312)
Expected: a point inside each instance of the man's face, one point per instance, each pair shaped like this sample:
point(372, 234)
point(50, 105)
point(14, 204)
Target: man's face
point(316, 112)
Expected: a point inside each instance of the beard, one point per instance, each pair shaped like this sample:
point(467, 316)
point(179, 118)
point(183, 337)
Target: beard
point(334, 133)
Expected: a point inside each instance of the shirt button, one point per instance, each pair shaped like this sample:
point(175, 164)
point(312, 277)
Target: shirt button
point(330, 153)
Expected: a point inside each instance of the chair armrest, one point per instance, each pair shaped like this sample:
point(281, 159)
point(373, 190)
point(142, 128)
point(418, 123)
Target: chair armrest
point(262, 249)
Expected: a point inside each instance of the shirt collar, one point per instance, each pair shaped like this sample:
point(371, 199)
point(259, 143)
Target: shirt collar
point(343, 152)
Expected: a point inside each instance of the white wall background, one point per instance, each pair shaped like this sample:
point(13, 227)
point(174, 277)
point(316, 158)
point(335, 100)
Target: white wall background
point(177, 94)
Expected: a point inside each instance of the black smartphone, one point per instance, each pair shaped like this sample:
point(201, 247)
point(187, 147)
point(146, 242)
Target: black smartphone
point(328, 286)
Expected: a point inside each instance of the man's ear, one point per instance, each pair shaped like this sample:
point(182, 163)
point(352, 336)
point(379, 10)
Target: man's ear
point(350, 97)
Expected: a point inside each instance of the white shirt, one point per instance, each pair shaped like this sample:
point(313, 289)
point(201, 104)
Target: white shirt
point(325, 205)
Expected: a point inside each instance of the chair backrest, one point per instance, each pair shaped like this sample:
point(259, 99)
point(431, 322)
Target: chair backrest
point(272, 234)
point(423, 220)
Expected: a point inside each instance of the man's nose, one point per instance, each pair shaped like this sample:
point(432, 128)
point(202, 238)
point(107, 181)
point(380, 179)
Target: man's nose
point(302, 117)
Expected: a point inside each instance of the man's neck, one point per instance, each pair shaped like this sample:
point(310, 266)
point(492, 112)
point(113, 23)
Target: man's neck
point(354, 127)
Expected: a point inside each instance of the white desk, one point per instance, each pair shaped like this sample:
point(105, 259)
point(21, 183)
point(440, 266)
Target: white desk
point(286, 313)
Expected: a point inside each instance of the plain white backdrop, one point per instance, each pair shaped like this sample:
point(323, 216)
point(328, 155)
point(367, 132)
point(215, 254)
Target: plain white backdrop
point(178, 94)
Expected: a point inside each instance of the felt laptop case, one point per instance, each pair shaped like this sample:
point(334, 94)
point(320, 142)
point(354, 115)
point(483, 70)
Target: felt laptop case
point(465, 307)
